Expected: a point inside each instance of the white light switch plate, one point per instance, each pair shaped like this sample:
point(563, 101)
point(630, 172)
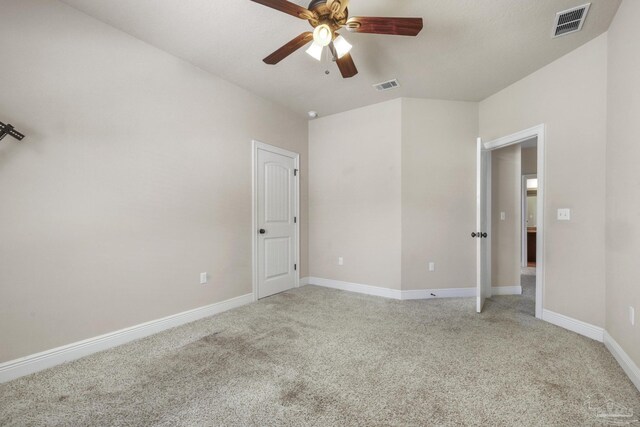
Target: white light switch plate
point(204, 278)
point(340, 261)
point(632, 316)
point(503, 216)
point(432, 266)
point(564, 214)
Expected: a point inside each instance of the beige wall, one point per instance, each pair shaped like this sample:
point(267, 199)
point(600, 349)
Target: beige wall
point(393, 188)
point(506, 197)
point(354, 187)
point(438, 193)
point(529, 158)
point(623, 179)
point(135, 176)
point(569, 96)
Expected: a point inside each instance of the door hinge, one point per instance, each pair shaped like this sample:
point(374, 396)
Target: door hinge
point(295, 219)
point(295, 172)
point(295, 267)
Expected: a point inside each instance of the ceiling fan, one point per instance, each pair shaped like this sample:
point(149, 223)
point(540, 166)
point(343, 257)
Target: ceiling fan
point(329, 16)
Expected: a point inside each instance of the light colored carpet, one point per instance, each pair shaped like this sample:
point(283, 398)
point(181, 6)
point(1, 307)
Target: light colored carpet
point(315, 356)
point(525, 303)
point(528, 271)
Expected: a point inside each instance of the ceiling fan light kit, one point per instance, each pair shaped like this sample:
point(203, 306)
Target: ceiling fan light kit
point(327, 17)
point(342, 46)
point(315, 51)
point(323, 35)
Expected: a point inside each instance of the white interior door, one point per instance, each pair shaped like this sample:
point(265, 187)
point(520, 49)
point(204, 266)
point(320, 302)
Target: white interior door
point(276, 222)
point(483, 225)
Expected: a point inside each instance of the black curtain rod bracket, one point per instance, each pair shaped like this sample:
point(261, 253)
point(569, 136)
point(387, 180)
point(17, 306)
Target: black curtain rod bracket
point(9, 130)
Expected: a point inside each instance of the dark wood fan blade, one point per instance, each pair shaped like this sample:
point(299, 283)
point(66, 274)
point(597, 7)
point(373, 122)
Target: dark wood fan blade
point(390, 26)
point(287, 7)
point(347, 66)
point(288, 48)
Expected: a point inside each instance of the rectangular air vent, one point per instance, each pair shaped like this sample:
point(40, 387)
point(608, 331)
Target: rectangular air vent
point(570, 21)
point(391, 84)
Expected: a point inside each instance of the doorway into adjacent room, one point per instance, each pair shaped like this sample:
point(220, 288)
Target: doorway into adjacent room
point(510, 221)
point(529, 225)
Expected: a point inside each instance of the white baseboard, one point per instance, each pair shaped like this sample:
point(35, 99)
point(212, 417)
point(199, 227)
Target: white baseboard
point(439, 293)
point(47, 359)
point(623, 359)
point(36, 362)
point(577, 326)
point(355, 287)
point(390, 293)
point(506, 290)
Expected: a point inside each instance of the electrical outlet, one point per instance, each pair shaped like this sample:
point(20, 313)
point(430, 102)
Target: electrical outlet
point(632, 316)
point(204, 278)
point(432, 266)
point(564, 214)
point(340, 261)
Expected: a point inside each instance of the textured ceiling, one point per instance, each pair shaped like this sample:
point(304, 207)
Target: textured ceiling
point(468, 50)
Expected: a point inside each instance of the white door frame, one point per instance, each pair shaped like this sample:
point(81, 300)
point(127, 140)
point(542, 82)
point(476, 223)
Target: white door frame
point(516, 138)
point(255, 146)
point(525, 212)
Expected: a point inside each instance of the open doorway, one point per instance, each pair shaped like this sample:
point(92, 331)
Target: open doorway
point(510, 220)
point(513, 199)
point(529, 225)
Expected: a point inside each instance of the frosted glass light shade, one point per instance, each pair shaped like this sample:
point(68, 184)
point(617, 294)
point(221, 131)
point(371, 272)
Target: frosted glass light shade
point(322, 35)
point(315, 51)
point(342, 46)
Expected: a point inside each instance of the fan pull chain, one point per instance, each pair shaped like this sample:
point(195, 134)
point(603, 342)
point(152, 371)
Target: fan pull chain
point(327, 52)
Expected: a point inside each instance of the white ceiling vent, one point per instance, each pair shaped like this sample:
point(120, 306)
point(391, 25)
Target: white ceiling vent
point(570, 21)
point(391, 84)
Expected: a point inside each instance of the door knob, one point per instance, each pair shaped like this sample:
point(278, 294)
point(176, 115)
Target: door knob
point(263, 231)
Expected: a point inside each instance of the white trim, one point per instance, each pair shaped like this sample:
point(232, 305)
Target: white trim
point(629, 367)
point(273, 149)
point(36, 362)
point(392, 293)
point(441, 293)
point(254, 219)
point(540, 223)
point(413, 294)
point(255, 146)
point(574, 325)
point(517, 138)
point(356, 287)
point(506, 290)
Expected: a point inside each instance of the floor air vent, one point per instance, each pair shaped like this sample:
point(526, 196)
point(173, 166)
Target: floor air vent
point(570, 21)
point(391, 84)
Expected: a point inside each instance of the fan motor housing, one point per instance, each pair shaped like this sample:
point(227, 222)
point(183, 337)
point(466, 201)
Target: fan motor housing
point(316, 3)
point(319, 7)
